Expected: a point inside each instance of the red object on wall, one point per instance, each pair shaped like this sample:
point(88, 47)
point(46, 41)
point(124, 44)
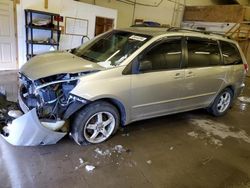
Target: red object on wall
point(58, 18)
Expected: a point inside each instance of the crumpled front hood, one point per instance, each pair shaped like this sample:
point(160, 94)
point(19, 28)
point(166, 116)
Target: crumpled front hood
point(49, 64)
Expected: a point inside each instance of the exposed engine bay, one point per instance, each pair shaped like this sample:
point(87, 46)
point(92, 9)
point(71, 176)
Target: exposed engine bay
point(50, 96)
point(47, 105)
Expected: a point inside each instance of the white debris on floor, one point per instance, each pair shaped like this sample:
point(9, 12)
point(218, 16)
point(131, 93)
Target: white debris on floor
point(115, 154)
point(82, 163)
point(119, 148)
point(216, 141)
point(244, 99)
point(193, 134)
point(215, 131)
point(171, 148)
point(149, 162)
point(108, 152)
point(89, 168)
point(125, 134)
point(132, 163)
point(103, 153)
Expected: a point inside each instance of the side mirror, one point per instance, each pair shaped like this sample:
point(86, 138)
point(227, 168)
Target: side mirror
point(145, 66)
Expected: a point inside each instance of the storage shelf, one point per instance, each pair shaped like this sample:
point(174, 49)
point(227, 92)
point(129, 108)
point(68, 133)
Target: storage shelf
point(42, 27)
point(31, 37)
point(42, 43)
point(41, 12)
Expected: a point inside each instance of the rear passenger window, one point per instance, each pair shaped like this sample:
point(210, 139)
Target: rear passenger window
point(166, 55)
point(203, 52)
point(230, 53)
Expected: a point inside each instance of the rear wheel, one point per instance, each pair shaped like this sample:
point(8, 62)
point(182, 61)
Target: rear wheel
point(222, 103)
point(96, 123)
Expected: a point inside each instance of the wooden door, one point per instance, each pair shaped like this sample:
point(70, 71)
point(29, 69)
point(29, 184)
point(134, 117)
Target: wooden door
point(7, 36)
point(103, 24)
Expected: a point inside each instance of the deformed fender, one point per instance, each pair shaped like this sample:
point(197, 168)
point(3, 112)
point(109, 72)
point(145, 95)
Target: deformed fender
point(75, 106)
point(27, 130)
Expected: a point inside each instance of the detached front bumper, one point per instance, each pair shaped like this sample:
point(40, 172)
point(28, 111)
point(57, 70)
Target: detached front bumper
point(27, 130)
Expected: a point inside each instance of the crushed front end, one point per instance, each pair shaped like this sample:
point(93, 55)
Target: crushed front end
point(46, 104)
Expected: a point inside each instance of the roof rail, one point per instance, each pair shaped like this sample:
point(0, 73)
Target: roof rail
point(147, 25)
point(196, 30)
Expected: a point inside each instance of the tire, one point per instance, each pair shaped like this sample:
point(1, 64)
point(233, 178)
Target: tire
point(95, 123)
point(222, 103)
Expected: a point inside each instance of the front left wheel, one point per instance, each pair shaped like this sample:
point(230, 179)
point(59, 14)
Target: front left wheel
point(95, 123)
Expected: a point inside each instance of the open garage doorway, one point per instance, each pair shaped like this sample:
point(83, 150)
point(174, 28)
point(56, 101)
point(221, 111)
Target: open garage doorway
point(103, 24)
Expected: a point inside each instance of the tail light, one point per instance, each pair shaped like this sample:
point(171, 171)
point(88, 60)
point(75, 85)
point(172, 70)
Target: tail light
point(245, 67)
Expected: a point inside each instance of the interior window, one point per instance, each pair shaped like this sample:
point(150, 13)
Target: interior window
point(166, 55)
point(230, 53)
point(202, 52)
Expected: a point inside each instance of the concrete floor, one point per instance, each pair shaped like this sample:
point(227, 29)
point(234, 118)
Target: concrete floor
point(190, 149)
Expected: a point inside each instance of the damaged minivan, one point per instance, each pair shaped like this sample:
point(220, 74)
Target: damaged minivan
point(124, 76)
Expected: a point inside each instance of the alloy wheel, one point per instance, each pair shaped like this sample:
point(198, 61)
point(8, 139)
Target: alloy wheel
point(99, 127)
point(224, 102)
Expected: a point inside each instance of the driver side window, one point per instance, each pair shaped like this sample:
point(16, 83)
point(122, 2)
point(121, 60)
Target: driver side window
point(166, 55)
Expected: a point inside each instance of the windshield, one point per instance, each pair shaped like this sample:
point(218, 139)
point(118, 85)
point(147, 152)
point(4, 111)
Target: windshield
point(112, 48)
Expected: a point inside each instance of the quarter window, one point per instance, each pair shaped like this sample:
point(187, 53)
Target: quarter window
point(202, 52)
point(230, 53)
point(164, 56)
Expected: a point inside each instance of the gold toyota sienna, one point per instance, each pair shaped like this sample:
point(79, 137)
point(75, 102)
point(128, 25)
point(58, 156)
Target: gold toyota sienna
point(124, 76)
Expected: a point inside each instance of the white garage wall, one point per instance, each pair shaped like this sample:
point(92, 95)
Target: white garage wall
point(162, 14)
point(67, 8)
point(124, 11)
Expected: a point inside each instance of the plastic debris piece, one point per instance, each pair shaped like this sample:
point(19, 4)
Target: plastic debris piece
point(103, 153)
point(15, 113)
point(193, 134)
point(125, 134)
point(81, 161)
point(149, 162)
point(89, 168)
point(119, 148)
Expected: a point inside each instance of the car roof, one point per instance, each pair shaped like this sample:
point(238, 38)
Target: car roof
point(158, 31)
point(152, 31)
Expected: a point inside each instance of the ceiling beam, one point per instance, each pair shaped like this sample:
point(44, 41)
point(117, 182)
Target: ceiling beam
point(46, 4)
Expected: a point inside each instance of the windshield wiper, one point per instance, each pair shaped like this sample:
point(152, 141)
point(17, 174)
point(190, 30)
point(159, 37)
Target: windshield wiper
point(112, 55)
